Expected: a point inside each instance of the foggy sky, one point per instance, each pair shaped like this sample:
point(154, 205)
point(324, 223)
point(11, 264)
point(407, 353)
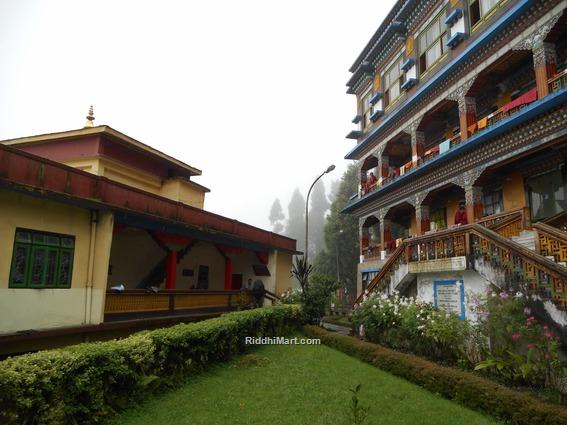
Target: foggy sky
point(250, 92)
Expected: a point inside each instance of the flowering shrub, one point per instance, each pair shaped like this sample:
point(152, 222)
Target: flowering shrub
point(506, 341)
point(522, 350)
point(292, 296)
point(413, 325)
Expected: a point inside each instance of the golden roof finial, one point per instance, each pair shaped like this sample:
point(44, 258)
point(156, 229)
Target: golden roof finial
point(90, 118)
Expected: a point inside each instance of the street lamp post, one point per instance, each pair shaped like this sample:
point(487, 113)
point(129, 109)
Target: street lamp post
point(328, 170)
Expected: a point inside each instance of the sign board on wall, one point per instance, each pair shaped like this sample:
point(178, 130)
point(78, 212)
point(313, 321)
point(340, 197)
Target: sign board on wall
point(440, 265)
point(450, 296)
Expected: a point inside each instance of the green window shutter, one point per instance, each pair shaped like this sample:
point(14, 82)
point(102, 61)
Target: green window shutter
point(65, 268)
point(20, 264)
point(38, 266)
point(51, 267)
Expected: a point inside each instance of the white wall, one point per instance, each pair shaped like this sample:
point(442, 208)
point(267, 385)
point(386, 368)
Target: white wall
point(473, 284)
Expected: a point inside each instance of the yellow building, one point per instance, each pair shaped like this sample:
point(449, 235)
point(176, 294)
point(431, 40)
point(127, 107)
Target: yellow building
point(87, 210)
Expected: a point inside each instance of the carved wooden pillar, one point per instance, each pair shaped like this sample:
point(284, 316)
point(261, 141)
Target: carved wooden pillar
point(467, 115)
point(422, 219)
point(545, 65)
point(364, 237)
point(383, 167)
point(417, 146)
point(473, 199)
point(385, 233)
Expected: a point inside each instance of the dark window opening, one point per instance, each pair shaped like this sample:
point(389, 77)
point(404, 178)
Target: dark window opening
point(203, 278)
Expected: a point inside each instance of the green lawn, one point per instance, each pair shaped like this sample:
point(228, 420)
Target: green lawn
point(297, 385)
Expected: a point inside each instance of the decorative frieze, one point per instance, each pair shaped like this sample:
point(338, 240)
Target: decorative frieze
point(537, 37)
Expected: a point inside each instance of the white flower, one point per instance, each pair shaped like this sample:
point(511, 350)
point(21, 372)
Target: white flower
point(374, 306)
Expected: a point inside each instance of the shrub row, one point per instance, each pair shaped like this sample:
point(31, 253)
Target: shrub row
point(87, 383)
point(465, 387)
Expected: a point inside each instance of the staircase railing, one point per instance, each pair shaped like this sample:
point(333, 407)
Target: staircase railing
point(508, 223)
point(522, 268)
point(551, 241)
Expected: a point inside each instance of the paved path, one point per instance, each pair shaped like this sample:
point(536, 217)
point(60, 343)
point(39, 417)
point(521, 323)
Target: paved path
point(343, 330)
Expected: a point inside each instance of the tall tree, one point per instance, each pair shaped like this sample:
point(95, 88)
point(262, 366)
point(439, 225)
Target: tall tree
point(341, 237)
point(295, 226)
point(319, 207)
point(277, 216)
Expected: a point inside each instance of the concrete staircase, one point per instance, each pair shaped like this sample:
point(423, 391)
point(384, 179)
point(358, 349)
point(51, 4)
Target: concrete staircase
point(526, 239)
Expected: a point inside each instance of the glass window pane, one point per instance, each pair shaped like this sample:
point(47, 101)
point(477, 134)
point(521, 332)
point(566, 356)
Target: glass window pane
point(19, 264)
point(52, 240)
point(422, 43)
point(38, 238)
point(51, 268)
point(65, 264)
point(547, 195)
point(67, 242)
point(23, 237)
point(38, 265)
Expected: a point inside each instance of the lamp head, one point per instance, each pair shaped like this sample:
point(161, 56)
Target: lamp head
point(331, 168)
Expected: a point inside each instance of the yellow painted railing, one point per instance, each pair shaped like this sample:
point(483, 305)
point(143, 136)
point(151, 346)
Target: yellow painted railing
point(139, 301)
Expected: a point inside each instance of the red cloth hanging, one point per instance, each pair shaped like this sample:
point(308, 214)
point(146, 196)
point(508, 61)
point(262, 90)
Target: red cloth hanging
point(528, 97)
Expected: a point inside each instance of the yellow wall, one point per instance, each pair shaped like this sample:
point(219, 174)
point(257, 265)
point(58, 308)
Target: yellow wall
point(133, 255)
point(513, 191)
point(45, 308)
point(201, 254)
point(182, 191)
point(175, 189)
point(283, 271)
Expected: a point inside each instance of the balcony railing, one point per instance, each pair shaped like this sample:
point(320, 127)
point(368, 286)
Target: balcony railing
point(171, 302)
point(558, 82)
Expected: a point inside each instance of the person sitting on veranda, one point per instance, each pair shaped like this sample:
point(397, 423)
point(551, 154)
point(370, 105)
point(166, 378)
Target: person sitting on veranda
point(259, 291)
point(461, 215)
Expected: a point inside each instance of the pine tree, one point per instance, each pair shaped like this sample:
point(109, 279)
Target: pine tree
point(295, 227)
point(276, 216)
point(341, 236)
point(319, 207)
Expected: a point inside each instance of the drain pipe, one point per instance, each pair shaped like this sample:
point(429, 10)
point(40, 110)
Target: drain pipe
point(90, 268)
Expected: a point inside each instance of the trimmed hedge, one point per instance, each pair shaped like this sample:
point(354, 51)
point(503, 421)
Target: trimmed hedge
point(89, 382)
point(465, 387)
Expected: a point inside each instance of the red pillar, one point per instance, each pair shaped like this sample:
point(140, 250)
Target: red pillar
point(545, 65)
point(170, 269)
point(227, 274)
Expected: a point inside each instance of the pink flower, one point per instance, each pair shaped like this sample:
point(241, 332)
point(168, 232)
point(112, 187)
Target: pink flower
point(546, 356)
point(516, 336)
point(527, 311)
point(504, 295)
point(531, 346)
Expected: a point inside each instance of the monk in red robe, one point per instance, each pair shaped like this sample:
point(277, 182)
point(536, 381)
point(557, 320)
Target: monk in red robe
point(461, 215)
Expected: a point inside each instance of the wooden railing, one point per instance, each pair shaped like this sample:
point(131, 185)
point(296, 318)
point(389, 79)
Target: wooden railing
point(271, 296)
point(508, 223)
point(551, 241)
point(558, 82)
point(523, 269)
point(139, 301)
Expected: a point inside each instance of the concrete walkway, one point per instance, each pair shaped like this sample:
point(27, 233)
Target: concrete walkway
point(342, 330)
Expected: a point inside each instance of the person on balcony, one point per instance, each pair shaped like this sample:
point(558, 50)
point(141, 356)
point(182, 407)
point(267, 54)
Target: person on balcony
point(461, 215)
point(371, 182)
